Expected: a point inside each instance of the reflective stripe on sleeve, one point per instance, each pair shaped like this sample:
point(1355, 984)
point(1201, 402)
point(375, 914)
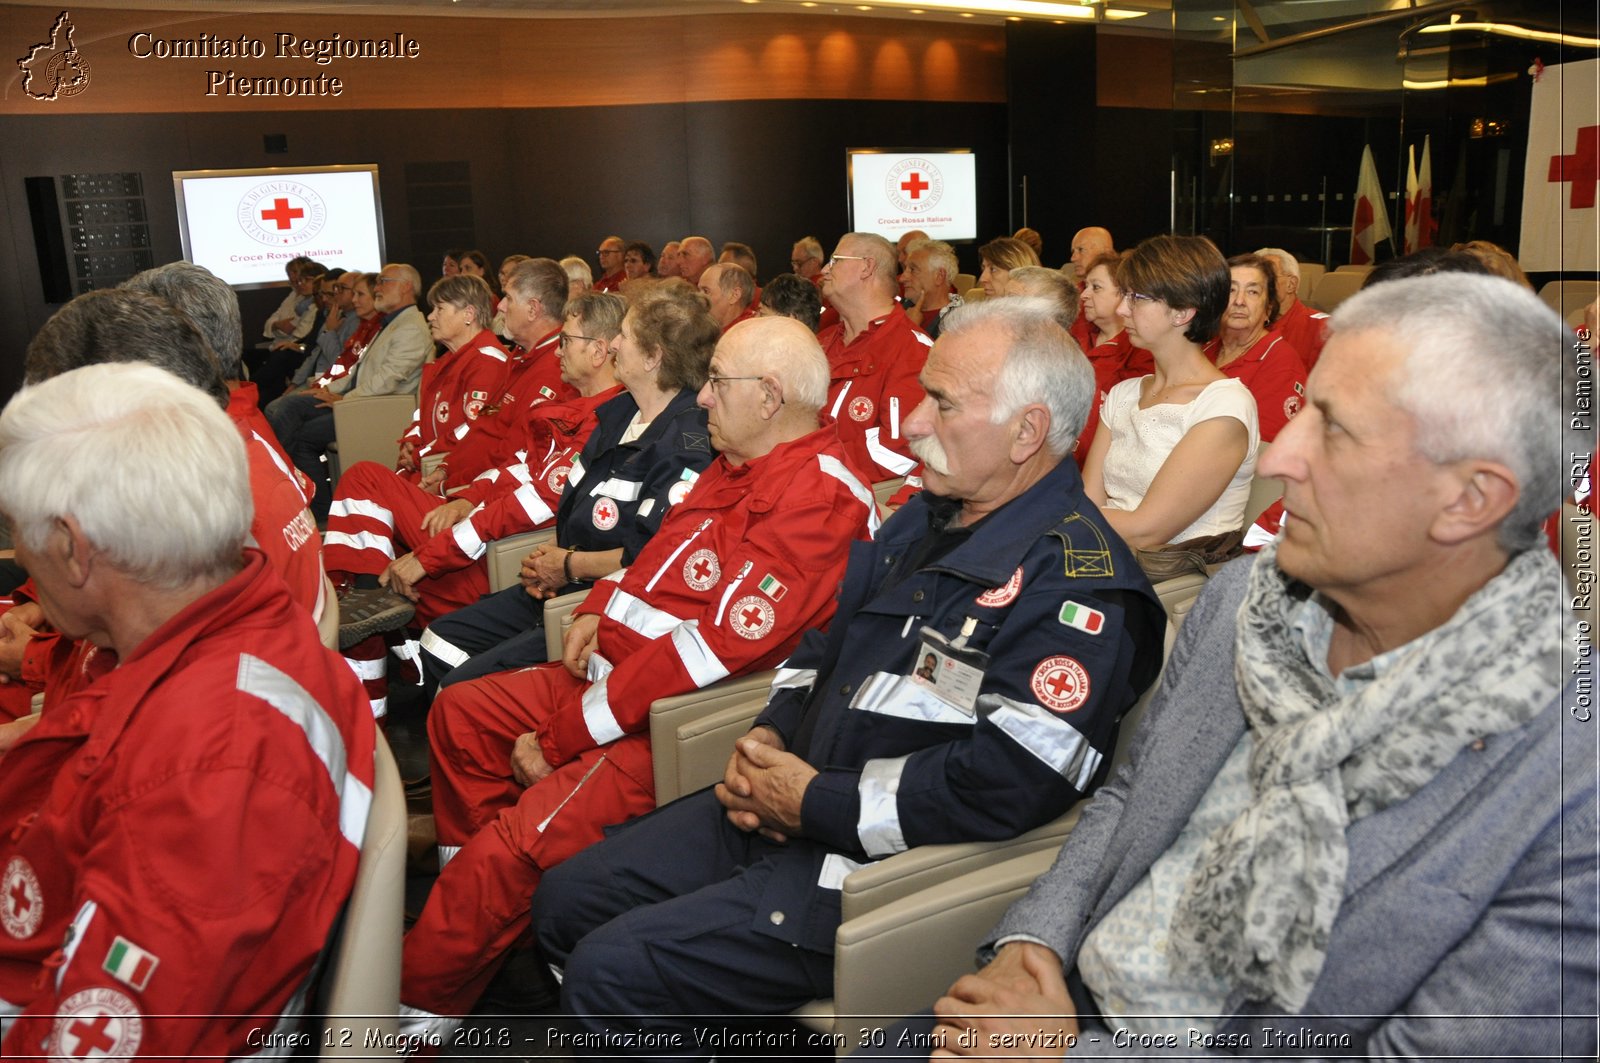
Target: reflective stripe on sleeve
point(598, 717)
point(794, 678)
point(838, 403)
point(260, 679)
point(468, 539)
point(879, 826)
point(897, 464)
point(640, 616)
point(704, 666)
point(1045, 735)
point(528, 498)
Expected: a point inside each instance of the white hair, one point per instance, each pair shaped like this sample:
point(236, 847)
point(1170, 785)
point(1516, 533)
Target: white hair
point(1043, 364)
point(1483, 377)
point(1287, 263)
point(153, 472)
point(578, 270)
point(940, 256)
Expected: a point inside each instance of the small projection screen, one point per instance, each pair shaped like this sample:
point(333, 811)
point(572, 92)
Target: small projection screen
point(894, 191)
point(244, 225)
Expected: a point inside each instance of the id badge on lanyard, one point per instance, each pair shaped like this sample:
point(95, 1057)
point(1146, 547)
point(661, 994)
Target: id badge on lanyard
point(951, 670)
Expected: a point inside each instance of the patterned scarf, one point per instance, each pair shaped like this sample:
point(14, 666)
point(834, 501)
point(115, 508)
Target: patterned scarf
point(1260, 904)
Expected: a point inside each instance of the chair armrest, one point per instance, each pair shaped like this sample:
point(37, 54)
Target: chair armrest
point(504, 556)
point(929, 866)
point(900, 958)
point(692, 735)
point(368, 428)
point(557, 618)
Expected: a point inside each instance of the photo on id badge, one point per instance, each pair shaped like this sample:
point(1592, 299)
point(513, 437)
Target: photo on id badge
point(952, 671)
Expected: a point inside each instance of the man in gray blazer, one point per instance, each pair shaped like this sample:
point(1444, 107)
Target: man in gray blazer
point(1359, 817)
point(391, 365)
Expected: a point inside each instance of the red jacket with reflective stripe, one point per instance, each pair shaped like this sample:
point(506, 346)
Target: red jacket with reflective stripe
point(194, 816)
point(749, 560)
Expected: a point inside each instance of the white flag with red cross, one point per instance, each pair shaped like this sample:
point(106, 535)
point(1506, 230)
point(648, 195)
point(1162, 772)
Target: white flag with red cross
point(1560, 221)
point(1370, 224)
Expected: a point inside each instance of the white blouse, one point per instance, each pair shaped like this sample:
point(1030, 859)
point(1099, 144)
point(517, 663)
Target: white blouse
point(1142, 439)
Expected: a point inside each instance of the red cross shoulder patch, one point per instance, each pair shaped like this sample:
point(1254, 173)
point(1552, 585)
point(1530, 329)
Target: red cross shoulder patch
point(96, 1023)
point(1004, 594)
point(21, 899)
point(752, 617)
point(860, 408)
point(606, 513)
point(1060, 683)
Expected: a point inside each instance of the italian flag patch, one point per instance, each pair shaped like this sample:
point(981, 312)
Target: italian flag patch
point(770, 586)
point(129, 964)
point(1089, 621)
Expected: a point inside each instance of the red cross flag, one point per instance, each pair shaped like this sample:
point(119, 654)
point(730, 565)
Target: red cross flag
point(1560, 223)
point(1370, 225)
point(1420, 226)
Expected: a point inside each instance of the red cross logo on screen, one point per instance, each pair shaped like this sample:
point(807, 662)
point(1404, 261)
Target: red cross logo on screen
point(1581, 168)
point(915, 185)
point(282, 214)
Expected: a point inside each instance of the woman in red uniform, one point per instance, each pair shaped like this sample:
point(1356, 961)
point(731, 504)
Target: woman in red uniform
point(1266, 364)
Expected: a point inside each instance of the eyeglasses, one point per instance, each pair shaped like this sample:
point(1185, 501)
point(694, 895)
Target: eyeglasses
point(568, 337)
point(1141, 297)
point(845, 258)
point(609, 251)
point(720, 382)
point(388, 280)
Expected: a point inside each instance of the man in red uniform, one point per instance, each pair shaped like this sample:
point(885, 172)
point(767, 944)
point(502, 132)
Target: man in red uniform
point(136, 323)
point(611, 271)
point(534, 305)
point(1305, 329)
point(378, 515)
point(728, 287)
point(874, 355)
point(528, 766)
point(177, 839)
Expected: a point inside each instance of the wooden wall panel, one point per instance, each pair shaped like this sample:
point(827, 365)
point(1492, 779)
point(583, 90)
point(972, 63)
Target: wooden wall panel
point(512, 63)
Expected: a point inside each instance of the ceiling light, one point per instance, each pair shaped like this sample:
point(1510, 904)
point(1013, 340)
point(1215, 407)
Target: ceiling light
point(1051, 9)
point(1117, 14)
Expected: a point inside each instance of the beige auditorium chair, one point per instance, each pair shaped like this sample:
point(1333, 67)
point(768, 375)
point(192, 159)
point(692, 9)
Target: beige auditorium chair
point(1310, 274)
point(504, 556)
point(557, 618)
point(1568, 298)
point(369, 429)
point(361, 987)
point(1334, 288)
point(692, 735)
point(963, 283)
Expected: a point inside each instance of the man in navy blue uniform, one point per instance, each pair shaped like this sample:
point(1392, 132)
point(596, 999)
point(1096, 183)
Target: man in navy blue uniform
point(1042, 631)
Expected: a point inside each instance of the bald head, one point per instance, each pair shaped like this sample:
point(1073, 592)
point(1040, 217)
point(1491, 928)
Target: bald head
point(667, 264)
point(905, 242)
point(768, 381)
point(1088, 245)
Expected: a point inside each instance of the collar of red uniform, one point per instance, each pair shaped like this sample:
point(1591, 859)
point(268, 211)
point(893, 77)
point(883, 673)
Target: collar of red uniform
point(766, 479)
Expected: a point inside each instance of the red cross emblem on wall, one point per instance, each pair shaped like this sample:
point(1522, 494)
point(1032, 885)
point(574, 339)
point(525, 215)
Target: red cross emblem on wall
point(1581, 168)
point(914, 185)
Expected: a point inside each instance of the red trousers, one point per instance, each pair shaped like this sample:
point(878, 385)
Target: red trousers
point(507, 835)
point(377, 516)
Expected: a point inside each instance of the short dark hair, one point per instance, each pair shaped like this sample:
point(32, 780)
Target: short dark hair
point(743, 254)
point(793, 296)
point(1186, 273)
point(1260, 264)
point(125, 325)
point(1424, 263)
point(674, 320)
point(645, 252)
